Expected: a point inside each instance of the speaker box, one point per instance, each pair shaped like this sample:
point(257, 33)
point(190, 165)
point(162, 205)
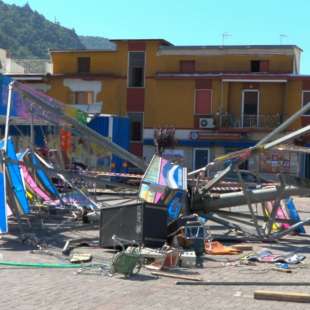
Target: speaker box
point(144, 223)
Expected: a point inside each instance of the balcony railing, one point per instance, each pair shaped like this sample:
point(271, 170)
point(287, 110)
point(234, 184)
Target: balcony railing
point(251, 121)
point(27, 66)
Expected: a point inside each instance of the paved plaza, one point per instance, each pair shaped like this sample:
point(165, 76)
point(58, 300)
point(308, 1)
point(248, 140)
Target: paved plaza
point(34, 288)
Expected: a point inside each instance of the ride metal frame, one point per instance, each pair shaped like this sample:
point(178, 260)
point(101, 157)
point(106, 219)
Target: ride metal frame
point(202, 200)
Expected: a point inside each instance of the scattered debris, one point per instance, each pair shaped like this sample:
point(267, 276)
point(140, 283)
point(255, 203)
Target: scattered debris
point(266, 256)
point(127, 262)
point(217, 248)
point(78, 258)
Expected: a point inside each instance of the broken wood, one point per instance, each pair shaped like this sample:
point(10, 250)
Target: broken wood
point(80, 258)
point(282, 296)
point(243, 247)
point(175, 276)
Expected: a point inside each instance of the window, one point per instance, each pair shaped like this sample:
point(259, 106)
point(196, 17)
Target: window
point(83, 64)
point(136, 69)
point(201, 158)
point(260, 66)
point(83, 97)
point(255, 66)
point(203, 101)
point(305, 100)
point(187, 66)
point(250, 106)
point(136, 126)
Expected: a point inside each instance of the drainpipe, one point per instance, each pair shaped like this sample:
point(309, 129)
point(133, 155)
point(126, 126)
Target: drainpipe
point(221, 103)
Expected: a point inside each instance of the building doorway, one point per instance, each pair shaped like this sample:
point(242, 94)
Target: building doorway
point(201, 157)
point(250, 108)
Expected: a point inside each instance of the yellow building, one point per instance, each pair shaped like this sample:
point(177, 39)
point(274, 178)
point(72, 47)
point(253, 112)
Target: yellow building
point(218, 98)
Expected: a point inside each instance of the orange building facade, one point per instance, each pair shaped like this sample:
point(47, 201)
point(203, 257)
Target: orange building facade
point(218, 98)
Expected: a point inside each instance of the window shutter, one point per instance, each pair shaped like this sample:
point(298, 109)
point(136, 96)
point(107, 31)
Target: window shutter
point(203, 101)
point(187, 66)
point(264, 66)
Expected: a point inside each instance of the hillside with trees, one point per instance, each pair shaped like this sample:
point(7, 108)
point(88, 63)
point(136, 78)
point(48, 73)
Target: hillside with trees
point(92, 42)
point(28, 34)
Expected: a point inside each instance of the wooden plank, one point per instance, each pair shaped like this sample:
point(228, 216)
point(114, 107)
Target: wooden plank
point(175, 276)
point(282, 270)
point(241, 283)
point(282, 296)
point(243, 247)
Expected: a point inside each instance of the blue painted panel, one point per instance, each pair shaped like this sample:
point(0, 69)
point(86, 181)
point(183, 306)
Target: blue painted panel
point(294, 215)
point(43, 178)
point(4, 83)
point(3, 215)
point(15, 177)
point(120, 134)
point(176, 204)
point(100, 124)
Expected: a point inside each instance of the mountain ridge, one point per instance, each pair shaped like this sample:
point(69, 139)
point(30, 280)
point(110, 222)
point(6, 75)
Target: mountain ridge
point(25, 33)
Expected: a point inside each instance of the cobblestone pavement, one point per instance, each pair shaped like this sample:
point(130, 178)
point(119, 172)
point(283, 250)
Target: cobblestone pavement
point(64, 289)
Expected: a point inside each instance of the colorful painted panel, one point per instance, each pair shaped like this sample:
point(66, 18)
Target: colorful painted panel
point(161, 177)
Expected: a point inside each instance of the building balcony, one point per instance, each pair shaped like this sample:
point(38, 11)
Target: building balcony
point(259, 121)
point(27, 66)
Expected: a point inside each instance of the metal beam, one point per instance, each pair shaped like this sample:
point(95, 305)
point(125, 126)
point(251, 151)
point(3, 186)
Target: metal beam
point(91, 135)
point(285, 124)
point(237, 198)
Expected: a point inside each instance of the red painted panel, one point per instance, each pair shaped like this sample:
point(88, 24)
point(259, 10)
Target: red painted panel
point(136, 46)
point(203, 101)
point(135, 99)
point(187, 66)
point(264, 66)
point(136, 148)
point(203, 84)
point(306, 84)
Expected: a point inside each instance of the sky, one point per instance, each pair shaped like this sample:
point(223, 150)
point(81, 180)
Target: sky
point(186, 22)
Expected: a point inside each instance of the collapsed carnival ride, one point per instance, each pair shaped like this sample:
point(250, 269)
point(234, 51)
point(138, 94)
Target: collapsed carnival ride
point(265, 212)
